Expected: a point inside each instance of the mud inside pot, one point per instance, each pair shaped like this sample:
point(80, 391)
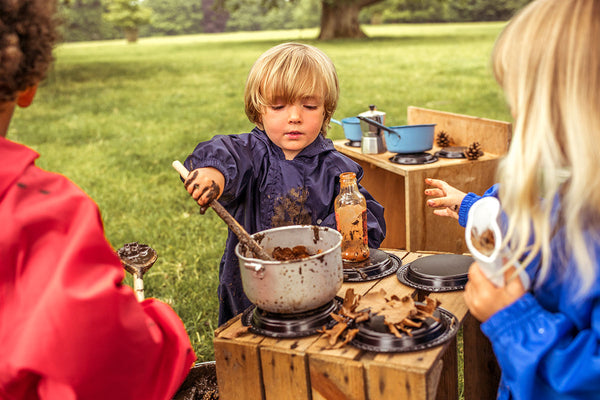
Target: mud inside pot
point(200, 384)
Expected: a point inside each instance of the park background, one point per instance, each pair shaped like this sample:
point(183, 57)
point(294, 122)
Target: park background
point(113, 114)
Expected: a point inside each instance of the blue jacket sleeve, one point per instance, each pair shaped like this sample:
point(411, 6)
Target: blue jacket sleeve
point(231, 155)
point(543, 355)
point(470, 198)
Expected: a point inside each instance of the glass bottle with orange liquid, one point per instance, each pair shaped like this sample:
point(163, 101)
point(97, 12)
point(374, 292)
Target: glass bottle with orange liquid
point(351, 219)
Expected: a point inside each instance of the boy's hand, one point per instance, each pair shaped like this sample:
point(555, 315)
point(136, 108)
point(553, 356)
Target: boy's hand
point(205, 185)
point(447, 198)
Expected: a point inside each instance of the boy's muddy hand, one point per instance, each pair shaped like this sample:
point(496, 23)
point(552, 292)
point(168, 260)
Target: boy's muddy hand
point(447, 199)
point(203, 185)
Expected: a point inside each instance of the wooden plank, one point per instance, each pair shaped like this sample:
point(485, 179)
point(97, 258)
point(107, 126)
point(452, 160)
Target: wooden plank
point(284, 374)
point(337, 377)
point(494, 136)
point(358, 287)
point(387, 381)
point(383, 160)
point(448, 386)
point(482, 373)
point(237, 360)
point(285, 367)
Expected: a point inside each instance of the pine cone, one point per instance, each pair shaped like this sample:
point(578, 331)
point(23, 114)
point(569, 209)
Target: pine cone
point(474, 151)
point(443, 139)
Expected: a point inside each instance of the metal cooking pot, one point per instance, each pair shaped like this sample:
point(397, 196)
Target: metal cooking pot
point(297, 285)
point(351, 127)
point(406, 138)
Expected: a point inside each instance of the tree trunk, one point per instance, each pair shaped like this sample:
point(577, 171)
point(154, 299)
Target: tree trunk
point(131, 34)
point(340, 20)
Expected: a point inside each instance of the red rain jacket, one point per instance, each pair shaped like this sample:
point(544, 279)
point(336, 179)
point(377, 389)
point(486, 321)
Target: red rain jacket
point(68, 328)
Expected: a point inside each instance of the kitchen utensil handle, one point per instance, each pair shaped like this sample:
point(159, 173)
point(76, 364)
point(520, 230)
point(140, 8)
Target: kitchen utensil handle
point(236, 228)
point(257, 269)
point(377, 124)
point(138, 286)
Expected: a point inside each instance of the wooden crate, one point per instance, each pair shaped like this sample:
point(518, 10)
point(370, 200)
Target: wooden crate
point(400, 188)
point(251, 366)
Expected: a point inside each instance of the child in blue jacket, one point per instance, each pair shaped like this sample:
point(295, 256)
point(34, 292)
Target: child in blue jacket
point(284, 172)
point(547, 339)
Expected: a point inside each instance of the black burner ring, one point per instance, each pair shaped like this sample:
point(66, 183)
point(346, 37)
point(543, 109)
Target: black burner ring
point(436, 273)
point(353, 143)
point(452, 152)
point(413, 158)
point(437, 334)
point(379, 265)
point(290, 325)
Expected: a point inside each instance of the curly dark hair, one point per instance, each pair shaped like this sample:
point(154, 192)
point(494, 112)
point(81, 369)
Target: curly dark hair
point(28, 32)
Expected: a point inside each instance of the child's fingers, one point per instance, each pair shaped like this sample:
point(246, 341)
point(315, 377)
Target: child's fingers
point(190, 179)
point(478, 278)
point(435, 183)
point(434, 192)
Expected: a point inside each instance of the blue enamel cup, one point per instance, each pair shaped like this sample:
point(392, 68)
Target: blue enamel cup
point(351, 127)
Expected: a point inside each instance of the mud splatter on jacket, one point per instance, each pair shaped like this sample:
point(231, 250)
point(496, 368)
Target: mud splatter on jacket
point(264, 190)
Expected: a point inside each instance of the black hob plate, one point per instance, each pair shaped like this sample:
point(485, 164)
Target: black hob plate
point(452, 152)
point(373, 334)
point(436, 273)
point(290, 325)
point(379, 264)
point(413, 158)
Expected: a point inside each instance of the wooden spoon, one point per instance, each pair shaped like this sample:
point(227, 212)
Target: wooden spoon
point(235, 227)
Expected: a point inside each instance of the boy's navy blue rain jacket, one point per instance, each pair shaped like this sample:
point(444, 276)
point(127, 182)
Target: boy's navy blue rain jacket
point(263, 190)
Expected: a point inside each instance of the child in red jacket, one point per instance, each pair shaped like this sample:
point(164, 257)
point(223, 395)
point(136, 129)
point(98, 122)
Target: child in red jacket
point(69, 329)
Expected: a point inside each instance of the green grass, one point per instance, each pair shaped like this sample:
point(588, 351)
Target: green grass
point(113, 116)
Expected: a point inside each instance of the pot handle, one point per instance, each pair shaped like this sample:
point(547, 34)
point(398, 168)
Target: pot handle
point(257, 269)
point(335, 121)
point(377, 124)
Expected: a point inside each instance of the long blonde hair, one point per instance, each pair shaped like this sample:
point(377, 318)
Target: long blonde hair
point(291, 71)
point(547, 60)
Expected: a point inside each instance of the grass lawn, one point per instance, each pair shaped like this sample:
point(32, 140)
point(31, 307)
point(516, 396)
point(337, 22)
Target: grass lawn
point(113, 116)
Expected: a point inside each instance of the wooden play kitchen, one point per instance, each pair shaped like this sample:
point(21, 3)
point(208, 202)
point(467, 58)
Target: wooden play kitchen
point(254, 366)
point(411, 225)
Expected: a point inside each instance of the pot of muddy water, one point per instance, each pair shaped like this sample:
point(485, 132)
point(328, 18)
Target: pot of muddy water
point(298, 284)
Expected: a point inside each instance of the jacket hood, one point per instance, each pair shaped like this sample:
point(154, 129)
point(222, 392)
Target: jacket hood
point(14, 159)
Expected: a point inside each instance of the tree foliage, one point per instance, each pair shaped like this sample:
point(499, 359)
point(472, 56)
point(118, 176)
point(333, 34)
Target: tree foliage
point(82, 20)
point(336, 18)
point(128, 15)
point(252, 15)
point(174, 17)
point(393, 11)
